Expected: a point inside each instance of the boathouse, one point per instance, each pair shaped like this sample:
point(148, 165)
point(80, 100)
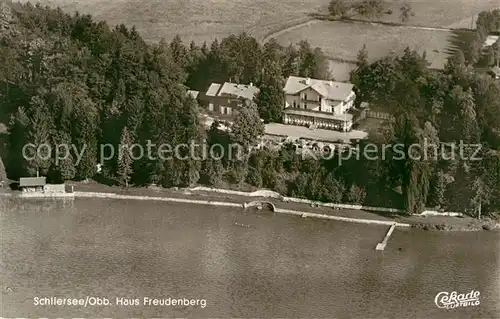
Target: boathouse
point(32, 184)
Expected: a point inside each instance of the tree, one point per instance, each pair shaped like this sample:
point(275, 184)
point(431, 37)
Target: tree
point(356, 195)
point(67, 170)
point(247, 127)
point(438, 188)
point(280, 186)
point(455, 64)
point(3, 173)
point(496, 52)
point(416, 186)
point(362, 58)
point(474, 50)
point(64, 169)
point(321, 65)
point(465, 122)
point(39, 135)
point(329, 188)
point(291, 62)
point(491, 56)
point(178, 50)
point(271, 98)
point(371, 8)
point(300, 185)
point(482, 196)
point(125, 158)
point(239, 172)
point(338, 7)
point(406, 12)
point(213, 172)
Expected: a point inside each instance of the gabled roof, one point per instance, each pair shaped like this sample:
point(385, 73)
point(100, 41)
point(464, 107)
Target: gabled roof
point(331, 90)
point(233, 90)
point(213, 89)
point(193, 93)
point(32, 181)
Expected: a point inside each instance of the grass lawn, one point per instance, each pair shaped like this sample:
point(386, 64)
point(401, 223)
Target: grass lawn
point(340, 70)
point(344, 40)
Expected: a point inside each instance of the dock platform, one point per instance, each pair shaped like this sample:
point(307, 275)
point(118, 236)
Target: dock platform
point(381, 246)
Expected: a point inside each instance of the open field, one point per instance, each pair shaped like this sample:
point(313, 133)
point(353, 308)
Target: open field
point(341, 70)
point(442, 13)
point(196, 19)
point(206, 20)
point(342, 40)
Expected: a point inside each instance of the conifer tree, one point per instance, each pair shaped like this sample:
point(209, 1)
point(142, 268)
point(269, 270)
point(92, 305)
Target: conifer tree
point(271, 98)
point(362, 57)
point(125, 159)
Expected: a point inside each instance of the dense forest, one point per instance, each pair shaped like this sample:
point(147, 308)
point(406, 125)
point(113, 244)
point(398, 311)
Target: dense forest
point(68, 79)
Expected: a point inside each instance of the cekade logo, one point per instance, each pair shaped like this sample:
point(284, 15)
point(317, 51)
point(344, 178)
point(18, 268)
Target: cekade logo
point(446, 300)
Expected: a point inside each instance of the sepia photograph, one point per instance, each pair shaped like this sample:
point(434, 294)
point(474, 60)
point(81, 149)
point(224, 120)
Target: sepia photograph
point(250, 159)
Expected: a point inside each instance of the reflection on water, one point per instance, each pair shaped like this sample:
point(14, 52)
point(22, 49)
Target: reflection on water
point(279, 266)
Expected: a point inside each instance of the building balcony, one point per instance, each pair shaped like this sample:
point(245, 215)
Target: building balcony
point(309, 99)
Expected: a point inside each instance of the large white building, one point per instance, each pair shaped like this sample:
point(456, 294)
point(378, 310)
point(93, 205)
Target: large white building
point(318, 103)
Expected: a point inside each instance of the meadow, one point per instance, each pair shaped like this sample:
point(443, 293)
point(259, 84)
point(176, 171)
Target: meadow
point(209, 19)
point(196, 19)
point(441, 13)
point(342, 41)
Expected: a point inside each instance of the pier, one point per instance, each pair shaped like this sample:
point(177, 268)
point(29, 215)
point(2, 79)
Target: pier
point(381, 246)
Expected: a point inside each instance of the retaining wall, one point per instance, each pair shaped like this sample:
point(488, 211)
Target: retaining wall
point(55, 188)
point(339, 218)
point(271, 194)
point(161, 199)
point(46, 195)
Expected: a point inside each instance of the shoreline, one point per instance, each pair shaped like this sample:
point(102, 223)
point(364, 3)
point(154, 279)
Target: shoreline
point(283, 205)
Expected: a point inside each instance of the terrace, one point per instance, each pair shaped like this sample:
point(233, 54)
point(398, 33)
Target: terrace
point(301, 132)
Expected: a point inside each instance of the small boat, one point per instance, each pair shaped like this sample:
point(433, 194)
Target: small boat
point(242, 225)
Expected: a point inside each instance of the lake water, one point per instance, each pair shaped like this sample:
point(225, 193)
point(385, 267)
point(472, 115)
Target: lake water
point(279, 266)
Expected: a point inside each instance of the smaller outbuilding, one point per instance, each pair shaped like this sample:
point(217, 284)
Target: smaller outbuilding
point(32, 184)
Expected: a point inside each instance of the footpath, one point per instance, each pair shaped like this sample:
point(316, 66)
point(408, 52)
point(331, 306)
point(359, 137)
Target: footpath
point(429, 220)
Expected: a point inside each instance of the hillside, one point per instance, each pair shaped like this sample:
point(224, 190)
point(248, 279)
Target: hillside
point(204, 20)
point(196, 19)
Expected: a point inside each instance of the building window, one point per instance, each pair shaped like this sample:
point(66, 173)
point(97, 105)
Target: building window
point(305, 96)
point(294, 103)
point(320, 108)
point(228, 111)
point(305, 105)
point(319, 98)
point(210, 106)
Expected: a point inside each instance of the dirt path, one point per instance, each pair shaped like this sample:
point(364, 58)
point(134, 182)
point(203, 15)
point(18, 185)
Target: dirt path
point(314, 21)
point(289, 28)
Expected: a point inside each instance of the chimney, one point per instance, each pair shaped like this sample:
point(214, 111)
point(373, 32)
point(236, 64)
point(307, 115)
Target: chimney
point(251, 84)
point(331, 83)
point(308, 81)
